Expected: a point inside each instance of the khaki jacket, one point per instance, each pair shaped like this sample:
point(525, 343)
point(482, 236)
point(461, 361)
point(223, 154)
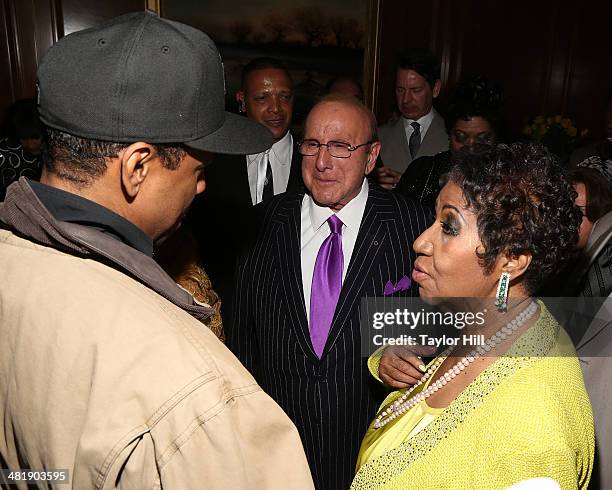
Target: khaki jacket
point(101, 375)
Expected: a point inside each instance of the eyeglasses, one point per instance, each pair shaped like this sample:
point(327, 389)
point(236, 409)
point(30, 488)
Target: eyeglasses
point(336, 149)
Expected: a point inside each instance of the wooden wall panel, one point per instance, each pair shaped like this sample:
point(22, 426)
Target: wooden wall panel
point(549, 56)
point(510, 44)
point(7, 86)
point(35, 32)
point(398, 30)
point(590, 82)
point(28, 28)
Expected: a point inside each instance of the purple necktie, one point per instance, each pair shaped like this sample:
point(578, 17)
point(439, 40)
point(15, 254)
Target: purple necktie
point(326, 285)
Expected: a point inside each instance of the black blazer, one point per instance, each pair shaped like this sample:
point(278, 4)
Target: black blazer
point(227, 181)
point(333, 400)
point(222, 218)
point(421, 180)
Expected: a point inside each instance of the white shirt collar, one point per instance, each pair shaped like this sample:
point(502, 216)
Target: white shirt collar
point(424, 122)
point(280, 151)
point(350, 214)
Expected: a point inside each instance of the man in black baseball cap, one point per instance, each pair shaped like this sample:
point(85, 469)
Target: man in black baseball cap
point(106, 370)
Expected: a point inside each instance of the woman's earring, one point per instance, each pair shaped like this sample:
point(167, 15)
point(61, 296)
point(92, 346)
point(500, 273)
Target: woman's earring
point(501, 297)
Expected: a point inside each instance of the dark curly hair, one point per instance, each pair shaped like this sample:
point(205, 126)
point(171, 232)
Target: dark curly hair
point(476, 97)
point(523, 202)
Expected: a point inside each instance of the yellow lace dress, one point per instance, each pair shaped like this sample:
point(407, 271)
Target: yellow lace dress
point(527, 415)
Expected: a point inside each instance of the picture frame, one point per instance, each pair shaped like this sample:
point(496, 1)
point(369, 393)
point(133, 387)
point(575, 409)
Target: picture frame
point(316, 41)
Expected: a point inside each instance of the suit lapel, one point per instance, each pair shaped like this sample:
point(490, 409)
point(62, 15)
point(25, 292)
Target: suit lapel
point(243, 187)
point(370, 242)
point(288, 223)
point(295, 174)
point(228, 180)
point(599, 325)
point(400, 137)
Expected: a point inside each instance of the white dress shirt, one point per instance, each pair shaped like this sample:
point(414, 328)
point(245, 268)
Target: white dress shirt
point(314, 231)
point(424, 121)
point(280, 161)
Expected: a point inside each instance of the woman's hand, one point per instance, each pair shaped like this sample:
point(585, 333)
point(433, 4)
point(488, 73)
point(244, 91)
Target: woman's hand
point(401, 366)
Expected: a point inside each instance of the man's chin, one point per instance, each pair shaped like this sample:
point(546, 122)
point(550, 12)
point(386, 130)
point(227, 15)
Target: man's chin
point(277, 133)
point(323, 198)
point(333, 204)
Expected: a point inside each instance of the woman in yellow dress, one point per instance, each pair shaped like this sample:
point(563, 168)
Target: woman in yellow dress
point(515, 408)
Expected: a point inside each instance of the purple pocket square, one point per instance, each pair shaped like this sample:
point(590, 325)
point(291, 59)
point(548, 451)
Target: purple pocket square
point(402, 284)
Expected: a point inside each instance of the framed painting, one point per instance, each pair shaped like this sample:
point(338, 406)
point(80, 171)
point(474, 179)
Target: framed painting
point(318, 40)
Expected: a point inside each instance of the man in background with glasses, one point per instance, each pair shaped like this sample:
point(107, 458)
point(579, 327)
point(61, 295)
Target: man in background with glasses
point(296, 320)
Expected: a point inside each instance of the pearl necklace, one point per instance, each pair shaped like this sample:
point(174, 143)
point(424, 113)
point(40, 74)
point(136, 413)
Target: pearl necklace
point(403, 403)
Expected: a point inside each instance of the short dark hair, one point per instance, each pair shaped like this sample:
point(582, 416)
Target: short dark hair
point(598, 192)
point(523, 202)
point(422, 61)
point(261, 64)
point(82, 160)
point(476, 97)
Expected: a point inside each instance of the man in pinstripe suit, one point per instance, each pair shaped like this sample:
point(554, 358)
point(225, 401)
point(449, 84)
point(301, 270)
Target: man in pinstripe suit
point(344, 235)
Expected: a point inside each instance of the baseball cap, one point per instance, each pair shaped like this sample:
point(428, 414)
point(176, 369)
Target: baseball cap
point(140, 77)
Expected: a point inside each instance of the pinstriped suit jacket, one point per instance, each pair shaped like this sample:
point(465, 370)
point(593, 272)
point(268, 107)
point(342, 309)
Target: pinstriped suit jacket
point(331, 400)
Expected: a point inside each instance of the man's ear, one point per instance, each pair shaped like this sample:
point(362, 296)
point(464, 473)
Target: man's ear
point(372, 156)
point(136, 161)
point(436, 88)
point(240, 100)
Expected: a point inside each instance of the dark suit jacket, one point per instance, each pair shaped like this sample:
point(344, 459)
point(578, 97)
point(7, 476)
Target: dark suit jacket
point(421, 181)
point(598, 277)
point(595, 352)
point(333, 400)
point(223, 221)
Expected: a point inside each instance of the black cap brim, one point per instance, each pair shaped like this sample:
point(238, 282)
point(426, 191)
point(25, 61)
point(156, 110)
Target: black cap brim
point(238, 136)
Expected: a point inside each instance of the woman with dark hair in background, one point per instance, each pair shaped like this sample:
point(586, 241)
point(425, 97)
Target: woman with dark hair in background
point(592, 180)
point(473, 119)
